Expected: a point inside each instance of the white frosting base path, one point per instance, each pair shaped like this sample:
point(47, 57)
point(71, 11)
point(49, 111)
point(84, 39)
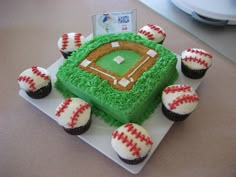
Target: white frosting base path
point(99, 135)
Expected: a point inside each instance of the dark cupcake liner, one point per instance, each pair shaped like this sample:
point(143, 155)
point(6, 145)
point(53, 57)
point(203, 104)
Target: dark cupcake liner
point(161, 42)
point(79, 130)
point(42, 92)
point(173, 116)
point(66, 54)
point(134, 161)
point(193, 74)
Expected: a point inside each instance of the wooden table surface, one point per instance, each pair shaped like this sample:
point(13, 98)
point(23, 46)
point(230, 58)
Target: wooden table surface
point(33, 145)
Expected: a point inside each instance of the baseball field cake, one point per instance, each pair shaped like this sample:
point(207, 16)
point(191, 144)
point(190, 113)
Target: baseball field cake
point(121, 76)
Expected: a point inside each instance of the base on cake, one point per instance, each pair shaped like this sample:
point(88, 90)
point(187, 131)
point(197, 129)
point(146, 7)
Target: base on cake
point(117, 106)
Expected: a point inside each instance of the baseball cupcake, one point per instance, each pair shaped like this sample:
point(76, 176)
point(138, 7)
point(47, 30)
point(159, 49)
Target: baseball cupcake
point(195, 62)
point(152, 32)
point(69, 42)
point(178, 101)
point(132, 143)
point(74, 115)
point(36, 82)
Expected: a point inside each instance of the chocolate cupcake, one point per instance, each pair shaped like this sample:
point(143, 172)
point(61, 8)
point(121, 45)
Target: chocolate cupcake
point(69, 42)
point(152, 32)
point(195, 62)
point(74, 115)
point(132, 143)
point(36, 82)
point(178, 101)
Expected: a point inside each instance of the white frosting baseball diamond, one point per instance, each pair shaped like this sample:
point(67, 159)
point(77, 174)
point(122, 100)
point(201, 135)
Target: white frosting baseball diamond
point(180, 98)
point(131, 141)
point(196, 59)
point(70, 42)
point(73, 113)
point(33, 78)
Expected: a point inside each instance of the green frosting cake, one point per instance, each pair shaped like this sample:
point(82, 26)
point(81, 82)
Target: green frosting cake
point(121, 76)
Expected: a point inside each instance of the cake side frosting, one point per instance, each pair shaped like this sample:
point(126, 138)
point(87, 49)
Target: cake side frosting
point(114, 105)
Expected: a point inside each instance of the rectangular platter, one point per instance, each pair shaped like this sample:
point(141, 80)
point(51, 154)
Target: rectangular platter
point(99, 134)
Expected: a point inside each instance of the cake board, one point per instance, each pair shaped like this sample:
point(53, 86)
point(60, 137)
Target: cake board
point(99, 135)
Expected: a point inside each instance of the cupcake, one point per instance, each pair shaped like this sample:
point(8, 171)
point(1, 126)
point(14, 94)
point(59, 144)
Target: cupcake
point(152, 32)
point(195, 62)
point(36, 82)
point(74, 115)
point(178, 101)
point(132, 143)
point(69, 42)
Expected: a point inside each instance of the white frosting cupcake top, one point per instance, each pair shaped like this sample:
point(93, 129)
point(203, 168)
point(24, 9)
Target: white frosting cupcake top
point(70, 42)
point(131, 141)
point(33, 78)
point(196, 58)
point(73, 113)
point(180, 99)
point(152, 32)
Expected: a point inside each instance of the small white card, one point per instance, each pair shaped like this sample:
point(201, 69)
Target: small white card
point(114, 22)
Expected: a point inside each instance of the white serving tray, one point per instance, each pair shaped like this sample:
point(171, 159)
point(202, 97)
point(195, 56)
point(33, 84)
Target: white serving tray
point(99, 134)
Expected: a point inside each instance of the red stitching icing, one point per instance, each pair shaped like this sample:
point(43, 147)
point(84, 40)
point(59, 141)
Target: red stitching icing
point(64, 41)
point(135, 150)
point(177, 88)
point(196, 60)
point(147, 34)
point(199, 52)
point(77, 39)
point(76, 114)
point(28, 80)
point(63, 106)
point(128, 142)
point(39, 73)
point(183, 99)
point(138, 134)
point(157, 29)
